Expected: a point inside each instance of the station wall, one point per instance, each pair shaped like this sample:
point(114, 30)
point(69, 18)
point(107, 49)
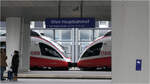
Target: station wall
point(130, 40)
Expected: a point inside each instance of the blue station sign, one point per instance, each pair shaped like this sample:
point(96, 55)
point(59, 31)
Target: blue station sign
point(70, 23)
point(138, 64)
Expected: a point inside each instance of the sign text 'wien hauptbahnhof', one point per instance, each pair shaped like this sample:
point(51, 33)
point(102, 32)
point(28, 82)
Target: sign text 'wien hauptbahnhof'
point(70, 23)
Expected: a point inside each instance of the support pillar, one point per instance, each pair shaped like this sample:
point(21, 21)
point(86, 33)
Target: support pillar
point(18, 38)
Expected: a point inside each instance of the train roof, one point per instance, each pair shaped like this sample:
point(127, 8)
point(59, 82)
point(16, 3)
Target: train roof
point(39, 35)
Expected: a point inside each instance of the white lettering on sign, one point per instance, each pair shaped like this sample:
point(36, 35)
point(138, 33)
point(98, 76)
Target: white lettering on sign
point(75, 21)
point(55, 22)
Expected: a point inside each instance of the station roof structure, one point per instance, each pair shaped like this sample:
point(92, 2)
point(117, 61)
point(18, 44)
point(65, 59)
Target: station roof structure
point(41, 9)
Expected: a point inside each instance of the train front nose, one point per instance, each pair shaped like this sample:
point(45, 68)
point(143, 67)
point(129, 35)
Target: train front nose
point(80, 64)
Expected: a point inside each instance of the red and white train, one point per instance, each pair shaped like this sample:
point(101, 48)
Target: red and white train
point(97, 54)
point(44, 52)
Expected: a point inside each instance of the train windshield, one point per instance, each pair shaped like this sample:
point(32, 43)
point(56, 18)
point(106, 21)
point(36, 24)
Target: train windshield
point(60, 47)
point(4, 34)
point(34, 34)
point(93, 51)
point(2, 44)
point(108, 33)
point(48, 51)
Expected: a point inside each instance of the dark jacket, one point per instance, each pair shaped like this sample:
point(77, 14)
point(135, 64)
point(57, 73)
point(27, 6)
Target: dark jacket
point(15, 63)
point(3, 58)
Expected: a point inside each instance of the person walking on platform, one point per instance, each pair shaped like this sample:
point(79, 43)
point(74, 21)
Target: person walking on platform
point(3, 63)
point(15, 64)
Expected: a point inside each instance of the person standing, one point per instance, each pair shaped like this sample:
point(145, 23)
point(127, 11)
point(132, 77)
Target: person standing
point(3, 63)
point(15, 64)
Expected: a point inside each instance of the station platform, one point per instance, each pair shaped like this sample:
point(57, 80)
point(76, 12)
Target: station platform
point(65, 75)
point(57, 81)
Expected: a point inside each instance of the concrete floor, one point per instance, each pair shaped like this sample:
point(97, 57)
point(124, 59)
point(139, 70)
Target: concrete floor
point(69, 72)
point(58, 81)
point(65, 74)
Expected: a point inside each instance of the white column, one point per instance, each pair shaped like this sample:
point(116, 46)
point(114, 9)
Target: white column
point(130, 41)
point(18, 39)
point(13, 28)
point(73, 45)
point(25, 45)
point(149, 41)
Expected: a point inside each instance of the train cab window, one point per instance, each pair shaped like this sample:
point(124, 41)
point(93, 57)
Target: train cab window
point(34, 34)
point(2, 44)
point(48, 51)
point(108, 34)
point(93, 51)
point(4, 34)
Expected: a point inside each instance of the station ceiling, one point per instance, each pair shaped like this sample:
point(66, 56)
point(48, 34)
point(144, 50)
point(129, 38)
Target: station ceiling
point(41, 9)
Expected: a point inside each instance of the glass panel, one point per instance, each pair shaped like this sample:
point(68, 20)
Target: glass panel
point(32, 24)
point(104, 24)
point(2, 24)
point(39, 24)
point(63, 35)
point(97, 24)
point(83, 45)
point(85, 35)
point(69, 55)
point(99, 33)
point(48, 33)
point(67, 46)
